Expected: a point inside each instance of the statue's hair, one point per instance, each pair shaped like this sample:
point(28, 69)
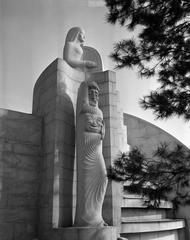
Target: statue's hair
point(73, 34)
point(83, 94)
point(93, 85)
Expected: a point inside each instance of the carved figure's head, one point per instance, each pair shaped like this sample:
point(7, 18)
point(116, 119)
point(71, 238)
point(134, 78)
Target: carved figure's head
point(75, 34)
point(93, 93)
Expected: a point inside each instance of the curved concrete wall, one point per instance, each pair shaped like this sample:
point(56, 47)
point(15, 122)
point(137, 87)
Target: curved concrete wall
point(145, 135)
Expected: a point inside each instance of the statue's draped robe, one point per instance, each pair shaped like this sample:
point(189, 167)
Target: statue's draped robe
point(91, 170)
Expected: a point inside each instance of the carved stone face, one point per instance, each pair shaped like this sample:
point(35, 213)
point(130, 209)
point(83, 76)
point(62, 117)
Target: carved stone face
point(93, 95)
point(81, 36)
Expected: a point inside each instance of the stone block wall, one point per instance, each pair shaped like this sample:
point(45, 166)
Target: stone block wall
point(122, 129)
point(20, 140)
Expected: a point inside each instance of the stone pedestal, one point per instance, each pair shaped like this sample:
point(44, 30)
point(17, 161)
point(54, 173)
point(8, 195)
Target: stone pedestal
point(84, 233)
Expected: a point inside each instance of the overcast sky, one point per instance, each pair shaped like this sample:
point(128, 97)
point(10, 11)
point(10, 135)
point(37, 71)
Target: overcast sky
point(32, 34)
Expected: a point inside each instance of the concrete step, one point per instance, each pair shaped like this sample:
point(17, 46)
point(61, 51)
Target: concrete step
point(143, 213)
point(125, 193)
point(154, 225)
point(163, 235)
point(131, 201)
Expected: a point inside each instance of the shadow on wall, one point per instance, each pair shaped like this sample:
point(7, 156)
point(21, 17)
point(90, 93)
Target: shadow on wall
point(64, 163)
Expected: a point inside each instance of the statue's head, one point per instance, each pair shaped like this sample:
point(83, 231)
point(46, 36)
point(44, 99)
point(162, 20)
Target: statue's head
point(93, 93)
point(75, 34)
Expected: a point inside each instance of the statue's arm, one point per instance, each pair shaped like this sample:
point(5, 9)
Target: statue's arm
point(71, 59)
point(95, 125)
point(91, 128)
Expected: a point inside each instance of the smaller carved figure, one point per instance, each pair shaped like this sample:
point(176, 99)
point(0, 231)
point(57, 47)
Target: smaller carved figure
point(73, 50)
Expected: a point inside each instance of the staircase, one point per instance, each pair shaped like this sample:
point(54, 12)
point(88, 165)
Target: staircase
point(140, 223)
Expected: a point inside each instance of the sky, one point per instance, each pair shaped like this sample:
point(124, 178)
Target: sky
point(32, 35)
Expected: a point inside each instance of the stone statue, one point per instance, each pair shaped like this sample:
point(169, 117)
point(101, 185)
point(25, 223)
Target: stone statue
point(73, 50)
point(91, 169)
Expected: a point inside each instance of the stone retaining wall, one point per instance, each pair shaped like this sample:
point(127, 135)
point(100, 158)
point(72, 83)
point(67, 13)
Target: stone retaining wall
point(20, 140)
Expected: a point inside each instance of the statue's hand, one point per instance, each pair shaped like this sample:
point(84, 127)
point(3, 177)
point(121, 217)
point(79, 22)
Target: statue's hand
point(90, 64)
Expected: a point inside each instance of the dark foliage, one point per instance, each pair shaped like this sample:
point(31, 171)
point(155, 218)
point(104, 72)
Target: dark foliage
point(162, 48)
point(164, 176)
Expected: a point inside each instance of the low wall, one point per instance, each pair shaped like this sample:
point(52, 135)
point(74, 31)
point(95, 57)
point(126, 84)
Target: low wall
point(20, 139)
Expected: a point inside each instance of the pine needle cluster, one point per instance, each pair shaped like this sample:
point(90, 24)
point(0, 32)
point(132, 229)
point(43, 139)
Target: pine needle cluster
point(164, 176)
point(161, 49)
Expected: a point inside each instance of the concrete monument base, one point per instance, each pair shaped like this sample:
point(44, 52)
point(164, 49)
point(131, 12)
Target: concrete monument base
point(85, 233)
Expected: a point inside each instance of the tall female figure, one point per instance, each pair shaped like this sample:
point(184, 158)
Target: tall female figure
point(91, 170)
